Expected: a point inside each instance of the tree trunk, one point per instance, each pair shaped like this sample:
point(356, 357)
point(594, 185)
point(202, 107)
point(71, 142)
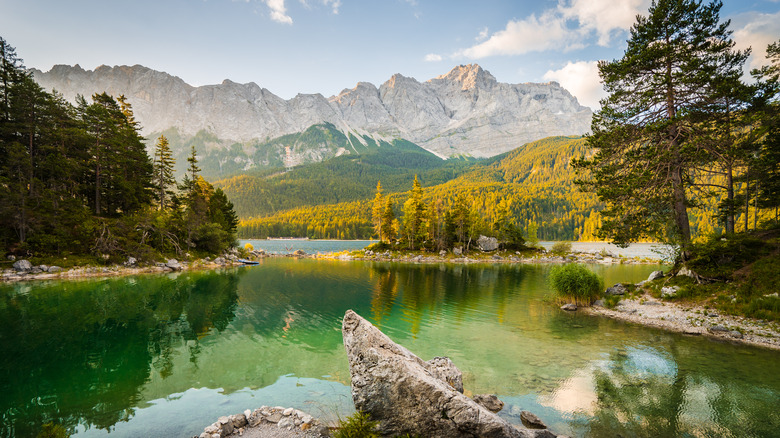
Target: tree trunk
point(730, 198)
point(681, 212)
point(747, 202)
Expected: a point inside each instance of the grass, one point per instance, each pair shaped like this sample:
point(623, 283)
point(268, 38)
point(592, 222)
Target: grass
point(575, 283)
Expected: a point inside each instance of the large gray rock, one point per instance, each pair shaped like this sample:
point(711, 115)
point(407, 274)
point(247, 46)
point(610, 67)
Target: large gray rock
point(487, 243)
point(405, 394)
point(617, 289)
point(23, 266)
point(655, 275)
point(173, 265)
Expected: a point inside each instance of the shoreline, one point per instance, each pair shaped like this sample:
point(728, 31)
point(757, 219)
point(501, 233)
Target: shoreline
point(692, 320)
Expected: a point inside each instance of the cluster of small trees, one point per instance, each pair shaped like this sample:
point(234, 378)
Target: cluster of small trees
point(680, 128)
point(437, 225)
point(77, 179)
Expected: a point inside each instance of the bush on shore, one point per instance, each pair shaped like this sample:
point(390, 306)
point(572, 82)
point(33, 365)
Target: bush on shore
point(575, 283)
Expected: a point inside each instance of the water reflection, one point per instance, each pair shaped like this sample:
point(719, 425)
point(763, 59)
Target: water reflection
point(78, 352)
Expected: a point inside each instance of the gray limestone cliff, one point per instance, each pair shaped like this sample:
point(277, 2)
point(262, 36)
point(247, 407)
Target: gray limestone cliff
point(465, 111)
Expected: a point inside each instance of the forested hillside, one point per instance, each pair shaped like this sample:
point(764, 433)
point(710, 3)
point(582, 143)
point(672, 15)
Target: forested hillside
point(345, 178)
point(536, 180)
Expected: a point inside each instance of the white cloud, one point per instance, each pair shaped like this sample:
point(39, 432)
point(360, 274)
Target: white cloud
point(604, 16)
point(756, 30)
point(524, 36)
point(566, 27)
point(582, 80)
point(334, 4)
point(278, 11)
point(483, 34)
point(432, 57)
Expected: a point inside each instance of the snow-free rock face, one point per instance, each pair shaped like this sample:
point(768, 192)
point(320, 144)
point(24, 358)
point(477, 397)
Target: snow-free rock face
point(465, 111)
point(410, 396)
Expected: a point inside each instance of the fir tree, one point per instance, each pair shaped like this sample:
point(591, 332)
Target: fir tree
point(645, 134)
point(376, 212)
point(163, 170)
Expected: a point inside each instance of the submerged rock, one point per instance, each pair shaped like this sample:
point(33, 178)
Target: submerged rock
point(408, 395)
point(532, 421)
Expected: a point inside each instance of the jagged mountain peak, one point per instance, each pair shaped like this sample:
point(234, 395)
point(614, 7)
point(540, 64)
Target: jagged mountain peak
point(470, 76)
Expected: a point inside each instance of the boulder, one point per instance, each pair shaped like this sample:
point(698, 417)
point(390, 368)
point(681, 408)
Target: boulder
point(617, 289)
point(458, 251)
point(655, 275)
point(686, 272)
point(669, 291)
point(23, 266)
point(487, 243)
point(11, 257)
point(489, 401)
point(718, 329)
point(299, 253)
point(173, 265)
point(54, 269)
point(131, 261)
point(531, 421)
point(442, 253)
point(570, 307)
point(408, 395)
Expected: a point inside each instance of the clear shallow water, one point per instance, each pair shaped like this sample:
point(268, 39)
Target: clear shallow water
point(167, 355)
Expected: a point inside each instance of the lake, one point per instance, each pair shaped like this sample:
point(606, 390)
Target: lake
point(166, 355)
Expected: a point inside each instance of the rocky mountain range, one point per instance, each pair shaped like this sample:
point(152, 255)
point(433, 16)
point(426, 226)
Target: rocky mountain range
point(464, 112)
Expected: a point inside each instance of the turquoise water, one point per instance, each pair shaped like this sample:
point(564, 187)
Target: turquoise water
point(165, 355)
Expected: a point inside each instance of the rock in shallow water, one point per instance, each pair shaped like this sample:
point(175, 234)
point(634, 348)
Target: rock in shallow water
point(489, 401)
point(407, 395)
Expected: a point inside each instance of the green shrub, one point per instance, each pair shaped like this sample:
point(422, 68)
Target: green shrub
point(358, 425)
point(576, 283)
point(611, 301)
point(379, 246)
point(561, 248)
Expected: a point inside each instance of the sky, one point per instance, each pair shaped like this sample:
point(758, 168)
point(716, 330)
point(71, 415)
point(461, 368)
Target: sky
point(326, 46)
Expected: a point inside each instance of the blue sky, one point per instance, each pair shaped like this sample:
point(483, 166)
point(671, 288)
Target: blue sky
point(324, 46)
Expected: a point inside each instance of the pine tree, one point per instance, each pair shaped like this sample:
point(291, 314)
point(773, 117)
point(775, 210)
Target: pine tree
point(163, 170)
point(376, 212)
point(646, 133)
point(388, 226)
point(414, 217)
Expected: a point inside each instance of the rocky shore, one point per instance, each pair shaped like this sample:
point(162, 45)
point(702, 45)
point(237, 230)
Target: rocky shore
point(459, 256)
point(692, 320)
point(23, 270)
point(645, 309)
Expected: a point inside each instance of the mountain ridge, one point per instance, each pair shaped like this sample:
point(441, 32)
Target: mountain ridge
point(463, 112)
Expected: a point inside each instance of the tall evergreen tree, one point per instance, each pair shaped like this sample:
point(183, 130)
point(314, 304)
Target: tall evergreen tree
point(163, 170)
point(377, 209)
point(414, 217)
point(645, 135)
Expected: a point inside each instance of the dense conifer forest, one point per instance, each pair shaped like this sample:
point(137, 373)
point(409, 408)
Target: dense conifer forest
point(78, 180)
